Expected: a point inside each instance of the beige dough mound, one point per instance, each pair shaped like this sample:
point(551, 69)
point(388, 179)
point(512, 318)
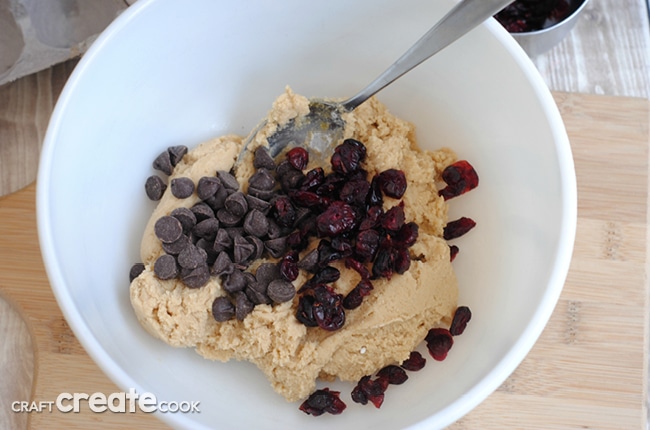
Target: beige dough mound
point(389, 324)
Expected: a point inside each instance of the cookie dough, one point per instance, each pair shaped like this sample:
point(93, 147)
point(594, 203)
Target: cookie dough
point(389, 324)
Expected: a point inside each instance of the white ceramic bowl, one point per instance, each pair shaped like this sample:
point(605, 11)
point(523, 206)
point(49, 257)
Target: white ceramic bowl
point(168, 72)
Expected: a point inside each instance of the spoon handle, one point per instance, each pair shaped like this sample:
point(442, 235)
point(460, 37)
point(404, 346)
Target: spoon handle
point(461, 19)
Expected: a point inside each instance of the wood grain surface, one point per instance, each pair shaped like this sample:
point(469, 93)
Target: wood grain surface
point(588, 369)
point(608, 52)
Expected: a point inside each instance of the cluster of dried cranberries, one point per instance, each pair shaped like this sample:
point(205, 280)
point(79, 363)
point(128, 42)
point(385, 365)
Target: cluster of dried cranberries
point(460, 177)
point(372, 390)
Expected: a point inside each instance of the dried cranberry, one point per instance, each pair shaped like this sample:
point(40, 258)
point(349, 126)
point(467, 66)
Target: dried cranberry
point(321, 401)
point(331, 185)
point(408, 234)
point(308, 199)
point(327, 254)
point(368, 389)
point(439, 342)
point(298, 157)
point(348, 156)
point(402, 260)
point(285, 213)
point(326, 275)
point(296, 241)
point(453, 252)
point(371, 220)
point(289, 266)
point(313, 179)
point(461, 318)
point(395, 375)
point(393, 219)
point(355, 297)
point(384, 262)
point(374, 197)
point(392, 183)
point(337, 219)
point(460, 178)
point(415, 362)
point(457, 228)
point(358, 266)
point(367, 244)
point(305, 312)
point(355, 192)
point(328, 308)
point(360, 147)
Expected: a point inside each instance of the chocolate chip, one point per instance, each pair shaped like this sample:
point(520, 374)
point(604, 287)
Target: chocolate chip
point(155, 187)
point(265, 195)
point(262, 180)
point(262, 158)
point(236, 204)
point(256, 223)
point(243, 250)
point(243, 306)
point(233, 232)
point(175, 248)
point(207, 228)
point(257, 296)
point(135, 271)
point(176, 153)
point(222, 241)
point(235, 282)
point(217, 201)
point(259, 247)
point(192, 257)
point(276, 247)
point(267, 272)
point(228, 180)
point(163, 163)
point(280, 291)
point(250, 278)
point(186, 217)
point(222, 309)
point(274, 230)
point(202, 211)
point(165, 267)
point(168, 229)
point(207, 187)
point(302, 214)
point(196, 278)
point(227, 219)
point(310, 261)
point(222, 265)
point(182, 188)
point(284, 168)
point(257, 203)
point(292, 180)
point(207, 246)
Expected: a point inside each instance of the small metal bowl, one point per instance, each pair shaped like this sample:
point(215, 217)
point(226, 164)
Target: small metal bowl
point(539, 41)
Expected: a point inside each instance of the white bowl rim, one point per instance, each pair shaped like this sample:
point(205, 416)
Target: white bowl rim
point(451, 413)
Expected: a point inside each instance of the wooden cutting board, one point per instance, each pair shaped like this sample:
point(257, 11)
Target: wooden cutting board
point(588, 369)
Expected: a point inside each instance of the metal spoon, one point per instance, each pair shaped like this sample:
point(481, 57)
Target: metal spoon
point(322, 129)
